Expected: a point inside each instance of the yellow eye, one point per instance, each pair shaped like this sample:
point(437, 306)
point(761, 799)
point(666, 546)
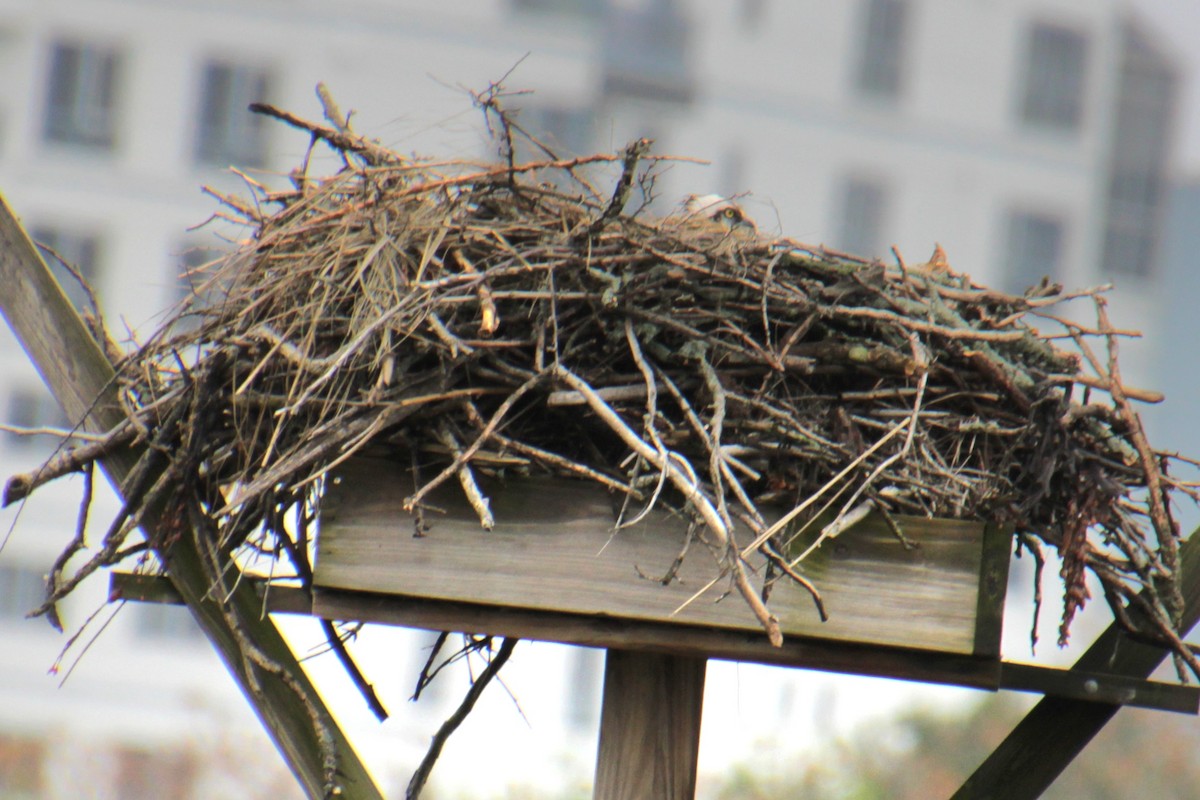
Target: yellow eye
point(730, 213)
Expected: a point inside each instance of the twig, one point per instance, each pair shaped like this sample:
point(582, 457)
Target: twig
point(463, 457)
point(343, 140)
point(466, 479)
point(417, 783)
point(611, 394)
point(633, 154)
point(1163, 525)
point(685, 484)
point(1132, 392)
point(77, 543)
point(73, 459)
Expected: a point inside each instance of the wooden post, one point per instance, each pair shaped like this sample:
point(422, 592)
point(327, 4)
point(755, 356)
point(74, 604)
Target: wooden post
point(82, 380)
point(649, 726)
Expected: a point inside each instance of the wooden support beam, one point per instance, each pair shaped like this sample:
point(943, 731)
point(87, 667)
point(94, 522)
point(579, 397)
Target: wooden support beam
point(595, 630)
point(649, 726)
point(140, 588)
point(1078, 684)
point(1057, 728)
point(79, 374)
point(1070, 683)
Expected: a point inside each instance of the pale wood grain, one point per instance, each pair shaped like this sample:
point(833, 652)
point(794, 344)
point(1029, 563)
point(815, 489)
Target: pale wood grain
point(649, 726)
point(593, 630)
point(1091, 686)
point(554, 548)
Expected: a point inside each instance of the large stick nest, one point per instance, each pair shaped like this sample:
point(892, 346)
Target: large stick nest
point(478, 311)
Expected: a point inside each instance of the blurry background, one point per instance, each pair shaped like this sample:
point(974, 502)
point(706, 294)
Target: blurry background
point(1028, 137)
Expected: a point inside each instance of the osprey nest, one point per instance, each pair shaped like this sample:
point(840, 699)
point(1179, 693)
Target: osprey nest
point(462, 312)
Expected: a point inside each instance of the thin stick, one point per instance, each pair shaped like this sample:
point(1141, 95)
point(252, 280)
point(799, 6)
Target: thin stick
point(783, 521)
point(413, 500)
point(685, 484)
point(417, 783)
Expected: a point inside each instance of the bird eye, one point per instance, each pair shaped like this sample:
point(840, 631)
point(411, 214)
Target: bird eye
point(730, 213)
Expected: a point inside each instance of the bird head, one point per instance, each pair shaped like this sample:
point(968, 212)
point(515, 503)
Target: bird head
point(719, 210)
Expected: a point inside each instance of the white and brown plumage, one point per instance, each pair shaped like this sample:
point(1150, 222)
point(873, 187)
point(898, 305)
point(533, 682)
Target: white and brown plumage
point(714, 223)
point(720, 212)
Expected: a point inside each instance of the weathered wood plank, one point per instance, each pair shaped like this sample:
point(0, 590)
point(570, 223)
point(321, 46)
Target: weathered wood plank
point(158, 589)
point(661, 637)
point(1099, 687)
point(82, 380)
point(1076, 684)
point(649, 726)
point(993, 587)
point(554, 548)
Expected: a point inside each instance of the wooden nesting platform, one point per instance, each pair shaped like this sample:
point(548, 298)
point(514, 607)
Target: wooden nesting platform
point(554, 568)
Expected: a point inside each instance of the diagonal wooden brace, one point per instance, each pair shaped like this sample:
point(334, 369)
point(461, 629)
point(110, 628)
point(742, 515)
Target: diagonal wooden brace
point(1057, 728)
point(82, 379)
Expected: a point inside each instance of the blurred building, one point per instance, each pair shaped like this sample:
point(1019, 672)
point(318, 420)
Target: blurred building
point(1175, 420)
point(1029, 138)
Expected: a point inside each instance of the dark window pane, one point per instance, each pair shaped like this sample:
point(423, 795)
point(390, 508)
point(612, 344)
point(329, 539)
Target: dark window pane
point(81, 97)
point(1033, 249)
point(586, 8)
point(22, 589)
point(229, 133)
point(1138, 161)
point(31, 408)
point(566, 130)
point(163, 622)
point(863, 209)
point(884, 37)
point(80, 250)
point(1055, 78)
point(647, 53)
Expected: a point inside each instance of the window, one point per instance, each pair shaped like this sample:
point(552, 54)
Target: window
point(1055, 72)
point(229, 133)
point(881, 57)
point(165, 622)
point(22, 589)
point(1137, 164)
point(188, 280)
point(1033, 249)
point(567, 130)
point(582, 8)
point(80, 250)
point(30, 408)
point(81, 96)
point(732, 172)
point(752, 13)
point(647, 53)
point(1131, 225)
point(863, 209)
